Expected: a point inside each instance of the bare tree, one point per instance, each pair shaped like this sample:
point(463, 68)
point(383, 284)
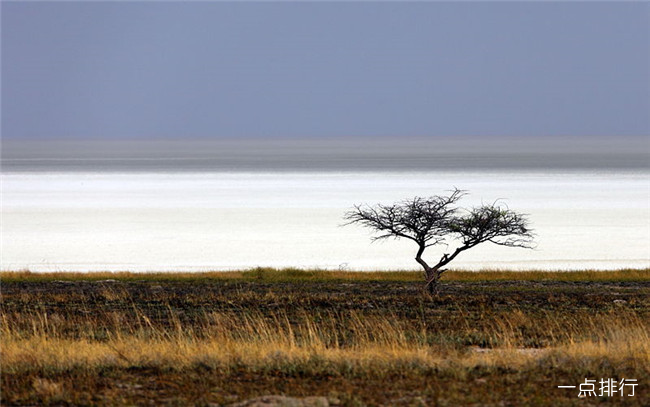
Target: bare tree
point(437, 220)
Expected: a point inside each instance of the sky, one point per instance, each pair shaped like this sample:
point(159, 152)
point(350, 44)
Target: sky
point(217, 70)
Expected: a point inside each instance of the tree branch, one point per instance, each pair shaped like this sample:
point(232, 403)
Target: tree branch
point(432, 221)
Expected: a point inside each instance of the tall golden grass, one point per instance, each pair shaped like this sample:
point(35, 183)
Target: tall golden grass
point(319, 343)
point(129, 342)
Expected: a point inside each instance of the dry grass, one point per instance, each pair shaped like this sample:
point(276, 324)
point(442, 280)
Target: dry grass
point(291, 274)
point(187, 341)
point(351, 342)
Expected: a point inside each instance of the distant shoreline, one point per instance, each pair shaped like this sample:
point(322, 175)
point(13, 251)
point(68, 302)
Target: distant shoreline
point(314, 163)
point(326, 154)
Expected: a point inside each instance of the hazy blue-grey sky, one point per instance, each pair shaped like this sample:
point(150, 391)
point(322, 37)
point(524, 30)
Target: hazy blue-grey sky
point(286, 69)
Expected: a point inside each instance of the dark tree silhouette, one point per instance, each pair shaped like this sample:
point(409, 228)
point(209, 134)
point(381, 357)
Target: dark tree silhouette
point(437, 220)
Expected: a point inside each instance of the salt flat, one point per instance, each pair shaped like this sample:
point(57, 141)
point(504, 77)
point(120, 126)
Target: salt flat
point(224, 220)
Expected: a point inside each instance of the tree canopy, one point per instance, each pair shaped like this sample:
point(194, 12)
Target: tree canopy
point(438, 220)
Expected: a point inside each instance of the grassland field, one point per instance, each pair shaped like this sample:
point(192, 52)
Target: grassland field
point(490, 338)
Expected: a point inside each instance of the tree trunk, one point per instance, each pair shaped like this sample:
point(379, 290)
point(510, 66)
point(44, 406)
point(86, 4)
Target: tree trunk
point(431, 275)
